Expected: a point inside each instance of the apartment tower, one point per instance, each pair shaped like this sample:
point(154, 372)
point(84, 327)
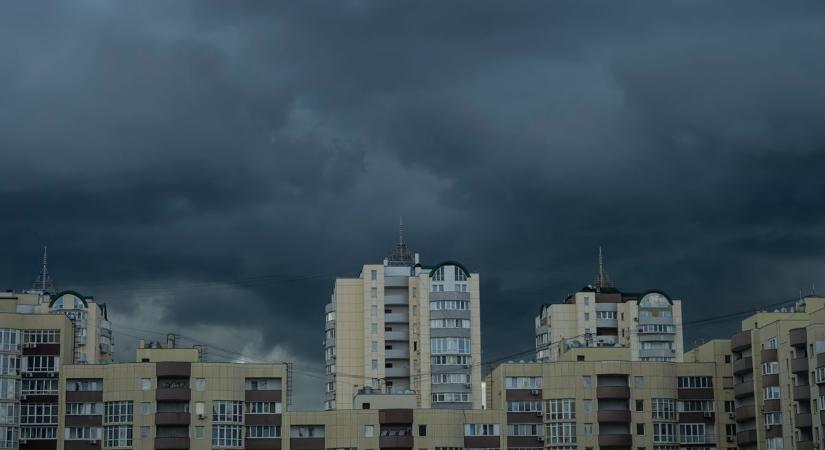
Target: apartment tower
point(599, 315)
point(404, 328)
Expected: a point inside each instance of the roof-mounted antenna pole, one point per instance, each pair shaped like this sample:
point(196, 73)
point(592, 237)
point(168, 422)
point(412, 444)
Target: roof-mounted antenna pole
point(400, 230)
point(43, 282)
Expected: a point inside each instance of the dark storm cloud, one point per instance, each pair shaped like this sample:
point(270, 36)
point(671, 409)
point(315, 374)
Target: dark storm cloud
point(210, 167)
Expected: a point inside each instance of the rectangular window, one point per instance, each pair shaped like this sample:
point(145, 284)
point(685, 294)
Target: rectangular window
point(772, 392)
point(373, 311)
point(200, 432)
point(692, 433)
point(639, 382)
point(449, 305)
point(450, 345)
point(451, 397)
point(640, 429)
point(200, 384)
point(481, 429)
point(422, 430)
point(84, 409)
point(369, 430)
point(770, 368)
point(451, 360)
point(306, 431)
point(373, 275)
point(145, 432)
point(263, 407)
point(561, 433)
point(775, 443)
point(146, 384)
point(695, 382)
point(39, 386)
point(449, 323)
point(586, 382)
point(523, 382)
point(606, 315)
point(374, 292)
point(587, 405)
point(524, 406)
point(119, 412)
point(374, 364)
point(663, 408)
point(227, 435)
point(696, 406)
point(771, 343)
point(38, 414)
point(586, 316)
point(262, 384)
point(145, 408)
point(375, 346)
point(263, 432)
point(820, 375)
point(773, 418)
point(588, 429)
point(227, 411)
point(41, 363)
point(118, 436)
point(524, 429)
point(41, 337)
point(664, 433)
point(450, 378)
point(82, 433)
point(561, 409)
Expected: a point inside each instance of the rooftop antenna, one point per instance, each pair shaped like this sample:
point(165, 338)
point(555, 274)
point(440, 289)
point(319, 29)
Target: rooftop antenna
point(401, 255)
point(44, 282)
point(601, 280)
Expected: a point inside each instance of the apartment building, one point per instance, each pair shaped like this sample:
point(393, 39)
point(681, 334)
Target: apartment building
point(42, 332)
point(170, 401)
point(395, 428)
point(598, 398)
point(599, 315)
point(779, 368)
point(402, 327)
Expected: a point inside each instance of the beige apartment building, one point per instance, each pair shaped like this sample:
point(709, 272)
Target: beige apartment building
point(598, 398)
point(402, 327)
point(779, 368)
point(649, 324)
point(170, 401)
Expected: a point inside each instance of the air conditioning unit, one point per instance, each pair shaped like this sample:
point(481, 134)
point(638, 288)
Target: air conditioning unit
point(535, 392)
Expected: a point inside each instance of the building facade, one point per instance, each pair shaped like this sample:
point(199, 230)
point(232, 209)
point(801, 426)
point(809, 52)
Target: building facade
point(598, 398)
point(779, 377)
point(401, 327)
point(170, 401)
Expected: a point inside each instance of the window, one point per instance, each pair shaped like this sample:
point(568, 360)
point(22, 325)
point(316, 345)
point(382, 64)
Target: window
point(369, 430)
point(586, 382)
point(695, 382)
point(639, 382)
point(200, 384)
point(422, 430)
point(374, 292)
point(146, 384)
point(450, 345)
point(692, 433)
point(640, 405)
point(227, 435)
point(82, 433)
point(523, 382)
point(40, 363)
point(9, 340)
point(262, 384)
point(451, 397)
point(730, 429)
point(84, 409)
point(587, 316)
point(118, 436)
point(450, 378)
point(375, 346)
point(664, 433)
point(730, 406)
point(144, 432)
point(449, 323)
point(524, 406)
point(438, 275)
point(481, 429)
point(640, 429)
point(657, 329)
point(770, 368)
point(460, 274)
point(199, 409)
point(8, 413)
point(820, 375)
point(561, 433)
point(606, 315)
point(771, 343)
point(696, 406)
point(263, 408)
point(524, 429)
point(145, 408)
point(443, 305)
point(451, 360)
point(41, 336)
point(306, 431)
point(561, 409)
point(38, 432)
point(374, 328)
point(663, 408)
point(775, 443)
point(588, 429)
point(200, 432)
point(773, 418)
point(263, 431)
point(375, 364)
point(39, 386)
point(227, 411)
point(373, 275)
point(587, 405)
point(38, 413)
point(772, 392)
point(8, 437)
point(118, 412)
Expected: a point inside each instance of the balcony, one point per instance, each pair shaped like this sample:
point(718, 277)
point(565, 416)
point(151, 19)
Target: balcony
point(316, 443)
point(396, 336)
point(820, 359)
point(395, 416)
point(171, 443)
point(696, 416)
point(173, 394)
point(822, 417)
point(745, 437)
point(396, 372)
point(173, 369)
point(740, 341)
point(262, 444)
point(396, 318)
point(745, 412)
point(620, 392)
point(482, 442)
point(799, 365)
point(396, 281)
point(397, 353)
point(615, 440)
point(803, 420)
point(770, 380)
point(743, 389)
point(395, 441)
point(805, 445)
point(695, 394)
point(769, 355)
point(622, 416)
point(172, 418)
point(802, 392)
point(798, 337)
point(743, 365)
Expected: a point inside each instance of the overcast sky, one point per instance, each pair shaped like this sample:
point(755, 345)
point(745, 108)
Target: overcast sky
point(210, 167)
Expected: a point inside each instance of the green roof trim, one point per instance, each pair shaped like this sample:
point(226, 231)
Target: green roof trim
point(75, 293)
point(449, 263)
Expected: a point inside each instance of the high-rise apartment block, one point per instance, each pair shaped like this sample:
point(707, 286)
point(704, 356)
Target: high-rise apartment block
point(649, 324)
point(779, 374)
point(402, 327)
